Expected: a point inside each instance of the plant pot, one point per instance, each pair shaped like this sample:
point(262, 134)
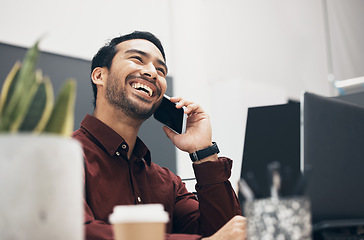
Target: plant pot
point(41, 187)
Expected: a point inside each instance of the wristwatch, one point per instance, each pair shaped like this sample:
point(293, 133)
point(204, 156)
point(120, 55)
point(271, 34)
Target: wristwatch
point(203, 153)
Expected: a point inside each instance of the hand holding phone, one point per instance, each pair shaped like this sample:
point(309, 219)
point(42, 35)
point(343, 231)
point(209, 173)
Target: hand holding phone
point(199, 133)
point(169, 115)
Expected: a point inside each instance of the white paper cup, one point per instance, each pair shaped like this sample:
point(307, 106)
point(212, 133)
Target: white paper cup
point(139, 222)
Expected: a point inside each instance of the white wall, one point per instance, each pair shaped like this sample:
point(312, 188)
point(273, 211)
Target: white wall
point(227, 55)
point(267, 50)
point(80, 27)
point(345, 23)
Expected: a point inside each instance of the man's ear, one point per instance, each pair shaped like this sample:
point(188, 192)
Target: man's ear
point(99, 76)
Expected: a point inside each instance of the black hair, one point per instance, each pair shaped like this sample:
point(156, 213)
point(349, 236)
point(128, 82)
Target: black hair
point(105, 55)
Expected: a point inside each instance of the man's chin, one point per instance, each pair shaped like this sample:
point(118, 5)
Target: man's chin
point(135, 106)
point(140, 113)
point(144, 99)
point(147, 108)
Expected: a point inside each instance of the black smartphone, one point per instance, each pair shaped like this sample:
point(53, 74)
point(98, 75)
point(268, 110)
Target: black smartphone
point(169, 115)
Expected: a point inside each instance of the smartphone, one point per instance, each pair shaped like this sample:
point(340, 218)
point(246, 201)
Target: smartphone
point(169, 115)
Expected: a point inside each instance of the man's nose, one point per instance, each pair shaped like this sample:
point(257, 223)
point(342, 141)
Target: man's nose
point(150, 71)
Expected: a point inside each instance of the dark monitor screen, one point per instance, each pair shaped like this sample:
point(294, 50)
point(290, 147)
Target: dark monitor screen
point(333, 133)
point(356, 98)
point(272, 135)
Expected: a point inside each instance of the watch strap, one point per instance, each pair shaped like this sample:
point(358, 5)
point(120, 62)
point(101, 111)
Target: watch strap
point(203, 153)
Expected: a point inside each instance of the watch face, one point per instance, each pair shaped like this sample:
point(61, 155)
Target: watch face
point(194, 157)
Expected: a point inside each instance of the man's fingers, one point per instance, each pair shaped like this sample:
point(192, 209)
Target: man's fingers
point(190, 106)
point(237, 227)
point(238, 221)
point(170, 133)
point(193, 108)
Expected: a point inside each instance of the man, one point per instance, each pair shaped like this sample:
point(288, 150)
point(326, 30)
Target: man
point(129, 80)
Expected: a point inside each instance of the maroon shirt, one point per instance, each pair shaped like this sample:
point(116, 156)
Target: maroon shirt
point(111, 179)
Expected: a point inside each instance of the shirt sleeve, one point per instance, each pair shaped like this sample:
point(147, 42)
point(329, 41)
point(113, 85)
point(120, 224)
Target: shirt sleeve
point(95, 229)
point(218, 202)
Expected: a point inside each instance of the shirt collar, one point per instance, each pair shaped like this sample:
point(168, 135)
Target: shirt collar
point(111, 140)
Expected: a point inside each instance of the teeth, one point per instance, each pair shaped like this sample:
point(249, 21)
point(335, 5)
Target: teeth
point(148, 90)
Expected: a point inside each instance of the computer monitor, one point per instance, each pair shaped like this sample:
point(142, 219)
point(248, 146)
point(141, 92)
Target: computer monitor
point(356, 98)
point(272, 135)
point(333, 145)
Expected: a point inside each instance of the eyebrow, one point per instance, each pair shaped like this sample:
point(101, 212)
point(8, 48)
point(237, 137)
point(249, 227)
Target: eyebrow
point(147, 55)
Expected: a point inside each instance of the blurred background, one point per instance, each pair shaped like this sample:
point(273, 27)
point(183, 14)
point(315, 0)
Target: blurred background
point(227, 55)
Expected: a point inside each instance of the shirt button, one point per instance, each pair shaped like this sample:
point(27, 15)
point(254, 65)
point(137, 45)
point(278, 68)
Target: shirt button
point(123, 146)
point(117, 153)
point(139, 199)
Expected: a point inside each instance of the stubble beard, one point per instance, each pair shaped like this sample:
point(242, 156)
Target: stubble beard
point(119, 99)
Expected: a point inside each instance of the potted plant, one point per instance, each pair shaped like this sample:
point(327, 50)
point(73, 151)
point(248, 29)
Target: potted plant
point(40, 165)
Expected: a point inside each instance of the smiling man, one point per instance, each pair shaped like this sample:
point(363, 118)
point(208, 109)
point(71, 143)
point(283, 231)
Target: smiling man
point(128, 76)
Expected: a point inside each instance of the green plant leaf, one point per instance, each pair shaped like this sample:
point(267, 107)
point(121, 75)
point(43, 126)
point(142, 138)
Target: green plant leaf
point(40, 109)
point(23, 105)
point(6, 92)
point(9, 85)
point(62, 117)
point(25, 80)
point(27, 100)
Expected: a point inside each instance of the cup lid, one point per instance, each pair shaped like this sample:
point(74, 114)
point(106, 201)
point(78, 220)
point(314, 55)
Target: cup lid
point(138, 213)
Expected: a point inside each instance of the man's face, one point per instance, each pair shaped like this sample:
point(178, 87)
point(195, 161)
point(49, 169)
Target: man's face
point(137, 78)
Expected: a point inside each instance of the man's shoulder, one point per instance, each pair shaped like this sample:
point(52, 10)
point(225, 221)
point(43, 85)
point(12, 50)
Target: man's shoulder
point(79, 135)
point(83, 137)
